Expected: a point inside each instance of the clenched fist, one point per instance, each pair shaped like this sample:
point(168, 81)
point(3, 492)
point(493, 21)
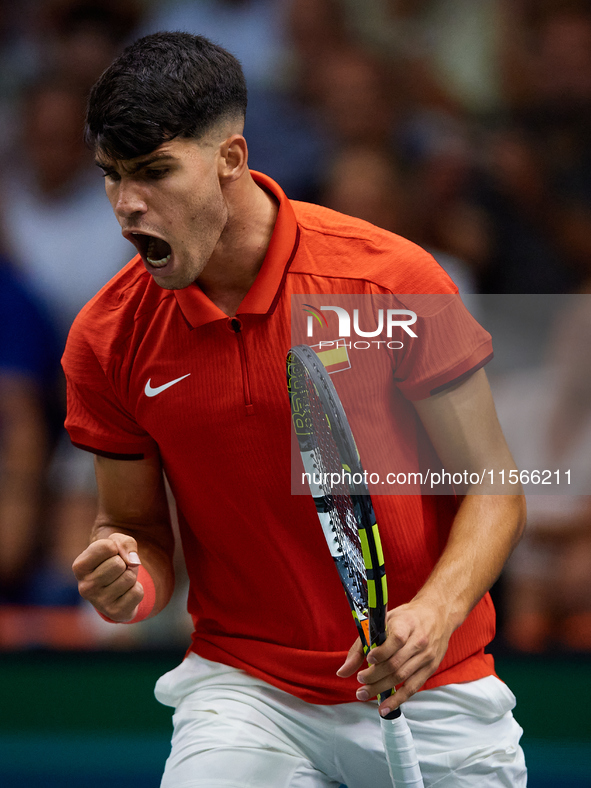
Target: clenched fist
point(107, 576)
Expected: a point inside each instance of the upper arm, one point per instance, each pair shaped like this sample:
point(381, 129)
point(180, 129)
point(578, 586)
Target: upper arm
point(132, 499)
point(463, 426)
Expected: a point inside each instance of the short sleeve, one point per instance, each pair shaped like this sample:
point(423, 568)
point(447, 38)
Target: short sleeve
point(96, 420)
point(450, 345)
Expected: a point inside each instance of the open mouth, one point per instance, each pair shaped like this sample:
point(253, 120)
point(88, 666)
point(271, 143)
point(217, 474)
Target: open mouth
point(156, 251)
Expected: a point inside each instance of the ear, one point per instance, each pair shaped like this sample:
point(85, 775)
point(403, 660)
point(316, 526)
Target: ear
point(233, 158)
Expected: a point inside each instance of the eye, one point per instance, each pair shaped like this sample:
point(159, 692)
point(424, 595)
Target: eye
point(111, 175)
point(156, 173)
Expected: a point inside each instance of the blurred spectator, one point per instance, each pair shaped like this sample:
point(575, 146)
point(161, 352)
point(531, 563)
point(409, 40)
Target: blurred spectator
point(372, 83)
point(253, 30)
point(357, 96)
point(65, 243)
point(80, 38)
point(315, 29)
point(17, 66)
point(58, 225)
point(61, 234)
point(392, 107)
point(387, 29)
point(445, 217)
point(284, 140)
point(75, 38)
point(536, 183)
point(29, 358)
point(368, 183)
point(435, 75)
point(546, 416)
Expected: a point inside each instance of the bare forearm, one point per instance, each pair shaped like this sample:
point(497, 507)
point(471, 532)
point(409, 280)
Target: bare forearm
point(483, 535)
point(485, 530)
point(464, 430)
point(132, 532)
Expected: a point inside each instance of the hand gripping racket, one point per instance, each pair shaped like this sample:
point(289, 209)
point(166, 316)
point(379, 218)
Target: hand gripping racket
point(336, 481)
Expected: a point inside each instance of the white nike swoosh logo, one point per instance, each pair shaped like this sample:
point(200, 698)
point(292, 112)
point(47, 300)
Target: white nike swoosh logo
point(150, 392)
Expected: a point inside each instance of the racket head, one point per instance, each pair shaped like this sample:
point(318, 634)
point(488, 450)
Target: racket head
point(343, 504)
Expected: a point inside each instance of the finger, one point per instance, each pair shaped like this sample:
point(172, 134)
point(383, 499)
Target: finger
point(127, 547)
point(398, 634)
point(406, 691)
point(383, 677)
point(121, 586)
point(354, 660)
point(109, 571)
point(124, 607)
point(94, 555)
point(411, 677)
point(100, 593)
point(114, 598)
point(392, 665)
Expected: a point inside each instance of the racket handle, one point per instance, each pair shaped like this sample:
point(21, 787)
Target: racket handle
point(403, 761)
point(393, 714)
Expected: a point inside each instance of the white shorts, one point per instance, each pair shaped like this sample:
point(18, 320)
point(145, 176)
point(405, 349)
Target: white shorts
point(234, 731)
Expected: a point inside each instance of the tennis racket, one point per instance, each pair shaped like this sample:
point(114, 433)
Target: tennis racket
point(344, 507)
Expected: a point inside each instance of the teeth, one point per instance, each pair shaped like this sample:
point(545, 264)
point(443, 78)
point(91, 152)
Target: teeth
point(156, 263)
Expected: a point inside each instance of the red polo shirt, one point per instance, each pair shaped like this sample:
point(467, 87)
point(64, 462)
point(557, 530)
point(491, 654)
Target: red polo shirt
point(154, 370)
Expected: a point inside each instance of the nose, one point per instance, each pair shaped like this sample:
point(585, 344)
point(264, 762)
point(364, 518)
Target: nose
point(128, 200)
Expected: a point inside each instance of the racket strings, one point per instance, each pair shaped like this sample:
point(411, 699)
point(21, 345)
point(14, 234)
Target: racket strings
point(338, 502)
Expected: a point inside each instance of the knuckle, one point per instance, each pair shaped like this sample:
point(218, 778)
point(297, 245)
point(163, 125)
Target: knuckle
point(125, 541)
point(137, 594)
point(85, 588)
point(395, 663)
point(408, 693)
point(123, 608)
point(130, 578)
point(412, 688)
point(131, 593)
point(416, 681)
point(104, 547)
point(392, 632)
point(400, 675)
point(115, 607)
point(405, 691)
point(110, 611)
point(430, 653)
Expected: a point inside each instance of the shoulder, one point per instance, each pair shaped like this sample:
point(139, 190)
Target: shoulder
point(332, 244)
point(109, 319)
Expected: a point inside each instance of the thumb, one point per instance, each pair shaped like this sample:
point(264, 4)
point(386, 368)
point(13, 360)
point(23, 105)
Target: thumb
point(354, 661)
point(127, 548)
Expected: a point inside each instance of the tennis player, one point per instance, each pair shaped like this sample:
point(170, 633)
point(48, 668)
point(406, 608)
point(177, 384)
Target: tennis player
point(177, 366)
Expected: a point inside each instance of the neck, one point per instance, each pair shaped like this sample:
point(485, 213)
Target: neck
point(241, 250)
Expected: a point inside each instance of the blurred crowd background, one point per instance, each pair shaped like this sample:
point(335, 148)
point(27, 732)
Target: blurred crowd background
point(462, 125)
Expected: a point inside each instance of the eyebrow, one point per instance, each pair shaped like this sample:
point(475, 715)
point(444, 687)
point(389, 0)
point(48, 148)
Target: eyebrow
point(134, 168)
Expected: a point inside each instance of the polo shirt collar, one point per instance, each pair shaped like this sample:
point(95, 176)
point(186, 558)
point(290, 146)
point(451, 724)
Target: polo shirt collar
point(262, 296)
